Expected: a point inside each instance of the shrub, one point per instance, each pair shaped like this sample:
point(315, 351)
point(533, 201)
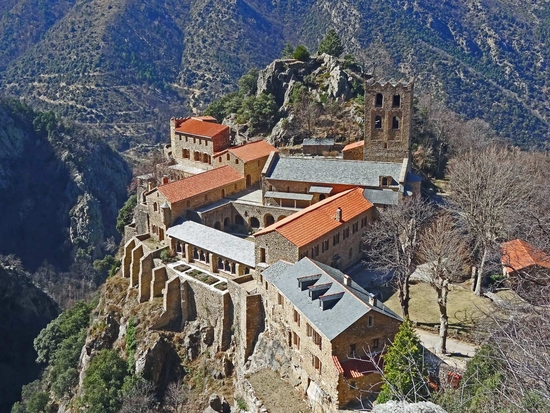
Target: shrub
point(126, 214)
point(103, 382)
point(301, 53)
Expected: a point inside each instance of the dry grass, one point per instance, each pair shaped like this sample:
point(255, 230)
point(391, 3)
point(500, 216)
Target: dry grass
point(464, 308)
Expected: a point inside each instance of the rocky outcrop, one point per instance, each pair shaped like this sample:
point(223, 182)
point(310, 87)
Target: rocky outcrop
point(279, 77)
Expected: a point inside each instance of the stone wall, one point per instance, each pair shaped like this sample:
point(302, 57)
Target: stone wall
point(199, 300)
point(249, 319)
point(354, 154)
point(348, 249)
point(225, 215)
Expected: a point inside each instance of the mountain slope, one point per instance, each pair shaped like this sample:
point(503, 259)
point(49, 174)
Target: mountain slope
point(125, 67)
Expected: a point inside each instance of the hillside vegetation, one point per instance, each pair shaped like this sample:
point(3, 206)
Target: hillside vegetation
point(125, 67)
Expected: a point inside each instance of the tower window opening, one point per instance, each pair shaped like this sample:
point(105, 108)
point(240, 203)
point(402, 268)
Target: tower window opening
point(378, 122)
point(379, 100)
point(396, 103)
point(395, 123)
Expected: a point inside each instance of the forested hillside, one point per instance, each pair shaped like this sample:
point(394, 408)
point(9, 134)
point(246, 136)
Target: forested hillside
point(61, 191)
point(125, 67)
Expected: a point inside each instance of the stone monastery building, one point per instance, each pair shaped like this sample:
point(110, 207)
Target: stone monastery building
point(263, 241)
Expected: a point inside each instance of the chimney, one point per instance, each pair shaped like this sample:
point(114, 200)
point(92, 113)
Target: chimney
point(339, 214)
point(165, 179)
point(149, 185)
point(347, 280)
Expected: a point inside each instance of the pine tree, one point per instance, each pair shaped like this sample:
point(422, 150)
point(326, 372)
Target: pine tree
point(331, 44)
point(301, 53)
point(405, 375)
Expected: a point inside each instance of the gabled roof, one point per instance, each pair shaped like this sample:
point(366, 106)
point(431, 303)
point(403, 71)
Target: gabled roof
point(354, 145)
point(253, 150)
point(202, 128)
point(518, 255)
point(220, 243)
point(319, 219)
point(328, 171)
point(194, 185)
point(354, 301)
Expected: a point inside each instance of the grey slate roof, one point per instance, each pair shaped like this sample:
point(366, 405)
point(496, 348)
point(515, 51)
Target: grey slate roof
point(353, 304)
point(318, 142)
point(288, 195)
point(333, 171)
point(218, 242)
point(381, 196)
point(320, 189)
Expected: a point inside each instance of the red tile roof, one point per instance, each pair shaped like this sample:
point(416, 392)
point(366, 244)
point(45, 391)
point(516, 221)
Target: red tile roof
point(253, 150)
point(318, 219)
point(354, 145)
point(193, 126)
point(518, 255)
point(354, 368)
point(194, 185)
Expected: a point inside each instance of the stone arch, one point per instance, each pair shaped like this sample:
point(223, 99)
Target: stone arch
point(195, 253)
point(395, 123)
point(254, 222)
point(321, 197)
point(268, 220)
point(248, 180)
point(246, 271)
point(226, 222)
point(155, 207)
point(281, 217)
point(179, 247)
point(396, 103)
point(239, 220)
point(217, 225)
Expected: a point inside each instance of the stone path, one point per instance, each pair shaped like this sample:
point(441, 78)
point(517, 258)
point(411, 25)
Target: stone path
point(459, 351)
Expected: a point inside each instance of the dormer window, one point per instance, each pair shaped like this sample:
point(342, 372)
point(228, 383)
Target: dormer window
point(386, 181)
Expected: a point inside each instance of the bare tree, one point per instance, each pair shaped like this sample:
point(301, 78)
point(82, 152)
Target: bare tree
point(488, 192)
point(444, 253)
point(176, 396)
point(140, 398)
point(393, 242)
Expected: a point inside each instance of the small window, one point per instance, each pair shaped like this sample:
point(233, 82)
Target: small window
point(266, 286)
point(194, 140)
point(352, 350)
point(350, 253)
point(336, 239)
point(364, 222)
point(309, 330)
point(371, 321)
point(345, 233)
point(227, 156)
point(280, 300)
point(376, 343)
point(396, 103)
point(355, 227)
point(384, 181)
point(155, 207)
point(296, 340)
point(378, 122)
point(236, 161)
point(379, 100)
point(205, 142)
point(316, 363)
point(262, 256)
point(324, 246)
point(297, 317)
point(219, 158)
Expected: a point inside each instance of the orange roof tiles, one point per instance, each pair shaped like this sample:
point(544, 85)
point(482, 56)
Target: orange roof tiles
point(253, 150)
point(201, 128)
point(354, 368)
point(318, 219)
point(205, 118)
point(518, 254)
point(354, 145)
point(194, 185)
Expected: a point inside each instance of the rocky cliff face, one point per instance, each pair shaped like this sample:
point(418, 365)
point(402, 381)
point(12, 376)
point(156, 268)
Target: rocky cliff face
point(24, 311)
point(62, 188)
